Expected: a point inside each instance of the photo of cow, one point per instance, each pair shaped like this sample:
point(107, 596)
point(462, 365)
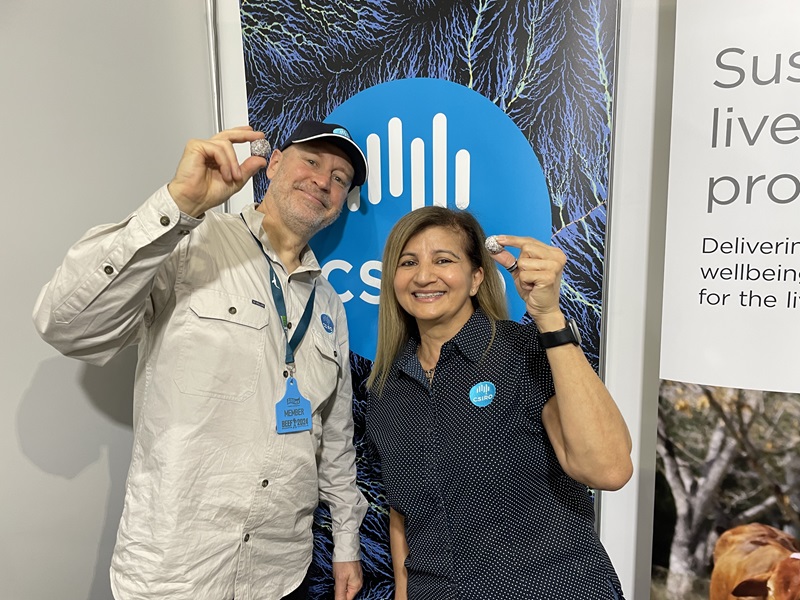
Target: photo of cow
point(756, 560)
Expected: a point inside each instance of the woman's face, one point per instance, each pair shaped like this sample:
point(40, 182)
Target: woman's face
point(435, 280)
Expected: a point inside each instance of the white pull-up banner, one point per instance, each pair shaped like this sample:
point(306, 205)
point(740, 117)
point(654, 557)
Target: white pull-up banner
point(731, 312)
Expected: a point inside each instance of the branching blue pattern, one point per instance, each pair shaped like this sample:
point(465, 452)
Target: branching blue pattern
point(548, 64)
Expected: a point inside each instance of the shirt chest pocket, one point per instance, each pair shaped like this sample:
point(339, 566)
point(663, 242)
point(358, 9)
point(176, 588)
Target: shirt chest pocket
point(320, 379)
point(222, 350)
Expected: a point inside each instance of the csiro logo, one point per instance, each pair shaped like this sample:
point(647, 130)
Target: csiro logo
point(428, 142)
point(482, 394)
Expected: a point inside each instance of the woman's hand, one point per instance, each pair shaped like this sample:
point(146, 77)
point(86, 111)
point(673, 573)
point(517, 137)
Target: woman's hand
point(537, 277)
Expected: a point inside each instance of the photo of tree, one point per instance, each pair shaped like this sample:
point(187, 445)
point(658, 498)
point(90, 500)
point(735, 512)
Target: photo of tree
point(726, 457)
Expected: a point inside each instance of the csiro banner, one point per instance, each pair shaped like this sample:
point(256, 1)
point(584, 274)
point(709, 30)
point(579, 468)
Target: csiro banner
point(457, 149)
point(500, 108)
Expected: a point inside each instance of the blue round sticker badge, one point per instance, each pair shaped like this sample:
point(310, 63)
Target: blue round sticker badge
point(482, 393)
point(327, 323)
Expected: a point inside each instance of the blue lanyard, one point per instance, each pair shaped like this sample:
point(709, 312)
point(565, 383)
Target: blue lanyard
point(280, 304)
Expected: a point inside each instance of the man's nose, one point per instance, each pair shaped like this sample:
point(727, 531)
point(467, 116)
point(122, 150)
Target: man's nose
point(323, 180)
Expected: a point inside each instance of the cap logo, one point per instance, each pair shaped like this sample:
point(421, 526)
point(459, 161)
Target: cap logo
point(343, 132)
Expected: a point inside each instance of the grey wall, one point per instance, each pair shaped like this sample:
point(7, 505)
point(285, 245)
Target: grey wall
point(98, 100)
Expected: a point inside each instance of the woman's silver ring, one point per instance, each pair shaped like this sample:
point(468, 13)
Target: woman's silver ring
point(512, 268)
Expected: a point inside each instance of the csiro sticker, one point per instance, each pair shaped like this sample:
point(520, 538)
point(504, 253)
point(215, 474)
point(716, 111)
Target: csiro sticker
point(327, 323)
point(482, 393)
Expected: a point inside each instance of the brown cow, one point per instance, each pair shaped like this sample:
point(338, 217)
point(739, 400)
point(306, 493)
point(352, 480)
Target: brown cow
point(756, 561)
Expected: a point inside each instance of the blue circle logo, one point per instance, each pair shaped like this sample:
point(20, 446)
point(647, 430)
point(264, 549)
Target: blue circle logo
point(427, 142)
point(327, 323)
point(342, 131)
point(482, 393)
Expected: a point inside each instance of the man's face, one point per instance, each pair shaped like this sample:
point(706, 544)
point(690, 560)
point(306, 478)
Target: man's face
point(309, 183)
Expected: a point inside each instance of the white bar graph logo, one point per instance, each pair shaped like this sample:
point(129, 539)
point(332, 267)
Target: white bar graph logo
point(394, 145)
point(428, 142)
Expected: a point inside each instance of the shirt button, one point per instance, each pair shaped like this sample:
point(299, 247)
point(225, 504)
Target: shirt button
point(288, 326)
point(164, 220)
point(232, 310)
point(108, 269)
point(286, 373)
point(246, 537)
point(264, 483)
point(335, 353)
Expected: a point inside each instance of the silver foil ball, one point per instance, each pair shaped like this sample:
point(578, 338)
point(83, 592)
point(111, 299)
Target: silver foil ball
point(260, 148)
point(493, 246)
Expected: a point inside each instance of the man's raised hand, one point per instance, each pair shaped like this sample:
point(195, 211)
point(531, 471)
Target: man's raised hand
point(209, 172)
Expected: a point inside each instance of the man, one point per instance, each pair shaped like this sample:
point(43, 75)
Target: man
point(242, 398)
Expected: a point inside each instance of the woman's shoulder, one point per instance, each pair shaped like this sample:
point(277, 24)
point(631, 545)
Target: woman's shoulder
point(517, 333)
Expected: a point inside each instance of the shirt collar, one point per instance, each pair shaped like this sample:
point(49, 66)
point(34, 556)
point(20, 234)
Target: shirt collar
point(254, 218)
point(477, 327)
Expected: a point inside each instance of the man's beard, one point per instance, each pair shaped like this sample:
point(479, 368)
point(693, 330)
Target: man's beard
point(310, 227)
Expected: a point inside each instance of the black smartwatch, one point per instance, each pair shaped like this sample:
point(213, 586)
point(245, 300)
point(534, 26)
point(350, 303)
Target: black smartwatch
point(568, 335)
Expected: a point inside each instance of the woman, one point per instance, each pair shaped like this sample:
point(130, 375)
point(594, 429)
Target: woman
point(487, 440)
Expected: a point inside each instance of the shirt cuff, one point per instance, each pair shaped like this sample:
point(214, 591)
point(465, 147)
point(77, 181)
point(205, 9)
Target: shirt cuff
point(346, 547)
point(163, 220)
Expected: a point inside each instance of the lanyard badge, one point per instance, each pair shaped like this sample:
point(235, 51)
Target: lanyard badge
point(293, 411)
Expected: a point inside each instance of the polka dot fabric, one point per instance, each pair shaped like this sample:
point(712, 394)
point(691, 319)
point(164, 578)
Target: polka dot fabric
point(489, 512)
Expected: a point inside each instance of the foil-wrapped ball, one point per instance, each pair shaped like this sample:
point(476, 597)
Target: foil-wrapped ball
point(260, 148)
point(493, 246)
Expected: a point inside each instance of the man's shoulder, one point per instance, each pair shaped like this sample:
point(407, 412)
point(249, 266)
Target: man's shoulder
point(217, 217)
point(221, 224)
point(326, 291)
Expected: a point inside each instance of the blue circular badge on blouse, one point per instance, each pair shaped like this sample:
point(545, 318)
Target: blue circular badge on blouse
point(327, 323)
point(482, 393)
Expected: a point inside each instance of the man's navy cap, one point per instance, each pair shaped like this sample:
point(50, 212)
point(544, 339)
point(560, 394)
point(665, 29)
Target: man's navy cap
point(337, 135)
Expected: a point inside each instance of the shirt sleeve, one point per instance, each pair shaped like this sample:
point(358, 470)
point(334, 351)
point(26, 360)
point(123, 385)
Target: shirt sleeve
point(539, 367)
point(337, 467)
point(112, 282)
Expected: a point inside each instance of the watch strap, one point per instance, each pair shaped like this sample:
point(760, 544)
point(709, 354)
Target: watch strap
point(569, 335)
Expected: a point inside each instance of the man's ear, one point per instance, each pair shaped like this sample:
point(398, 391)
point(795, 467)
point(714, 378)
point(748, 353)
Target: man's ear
point(274, 161)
